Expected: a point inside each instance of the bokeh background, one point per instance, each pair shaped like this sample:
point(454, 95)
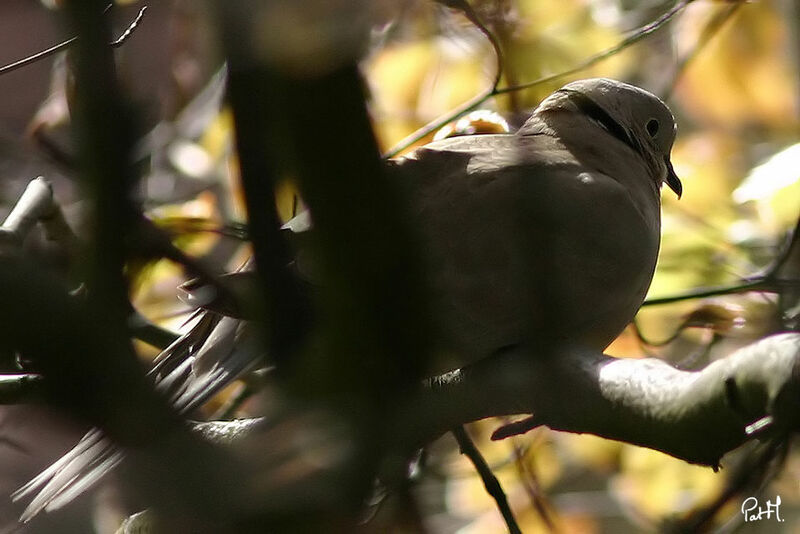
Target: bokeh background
point(730, 72)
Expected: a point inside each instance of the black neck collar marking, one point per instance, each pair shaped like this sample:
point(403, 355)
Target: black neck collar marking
point(595, 112)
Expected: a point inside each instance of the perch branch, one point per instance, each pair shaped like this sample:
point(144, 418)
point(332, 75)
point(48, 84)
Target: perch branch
point(697, 416)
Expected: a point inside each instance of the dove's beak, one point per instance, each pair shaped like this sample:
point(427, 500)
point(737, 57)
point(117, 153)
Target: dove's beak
point(672, 180)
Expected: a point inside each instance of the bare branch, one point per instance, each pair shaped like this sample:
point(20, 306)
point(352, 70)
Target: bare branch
point(129, 30)
point(776, 278)
point(635, 36)
point(527, 475)
point(697, 416)
point(24, 62)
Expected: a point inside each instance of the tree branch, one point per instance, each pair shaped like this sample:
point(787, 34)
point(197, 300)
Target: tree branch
point(36, 205)
point(782, 277)
point(38, 56)
point(696, 416)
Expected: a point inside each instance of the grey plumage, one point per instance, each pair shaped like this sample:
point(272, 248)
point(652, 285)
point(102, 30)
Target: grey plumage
point(549, 234)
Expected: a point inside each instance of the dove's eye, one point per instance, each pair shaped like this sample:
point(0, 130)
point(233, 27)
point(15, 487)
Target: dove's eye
point(652, 127)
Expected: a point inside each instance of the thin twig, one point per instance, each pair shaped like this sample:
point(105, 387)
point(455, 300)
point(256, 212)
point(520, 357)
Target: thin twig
point(770, 280)
point(473, 17)
point(636, 36)
point(37, 56)
point(476, 101)
point(491, 483)
point(531, 484)
point(129, 30)
point(755, 285)
point(644, 340)
point(66, 44)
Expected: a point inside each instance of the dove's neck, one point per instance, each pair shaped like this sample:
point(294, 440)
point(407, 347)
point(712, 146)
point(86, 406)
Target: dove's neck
point(595, 147)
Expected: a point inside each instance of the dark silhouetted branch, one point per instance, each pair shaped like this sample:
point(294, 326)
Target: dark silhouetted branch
point(490, 481)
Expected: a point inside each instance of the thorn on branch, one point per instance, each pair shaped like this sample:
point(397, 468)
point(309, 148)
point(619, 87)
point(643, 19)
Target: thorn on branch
point(516, 428)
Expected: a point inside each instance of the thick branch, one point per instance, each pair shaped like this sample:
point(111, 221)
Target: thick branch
point(696, 416)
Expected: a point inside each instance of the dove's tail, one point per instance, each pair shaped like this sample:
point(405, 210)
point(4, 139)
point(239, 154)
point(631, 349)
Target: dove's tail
point(213, 353)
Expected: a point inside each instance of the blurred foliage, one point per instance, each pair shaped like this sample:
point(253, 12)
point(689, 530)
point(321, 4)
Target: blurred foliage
point(736, 102)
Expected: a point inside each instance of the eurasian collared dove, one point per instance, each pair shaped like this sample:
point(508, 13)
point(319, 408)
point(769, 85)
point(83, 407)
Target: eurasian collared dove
point(547, 235)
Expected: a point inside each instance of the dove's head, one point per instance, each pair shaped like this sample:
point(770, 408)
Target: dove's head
point(634, 116)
